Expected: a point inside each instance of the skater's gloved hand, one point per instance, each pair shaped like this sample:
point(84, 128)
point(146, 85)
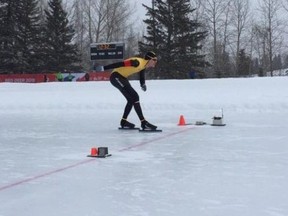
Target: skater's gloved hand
point(99, 68)
point(144, 87)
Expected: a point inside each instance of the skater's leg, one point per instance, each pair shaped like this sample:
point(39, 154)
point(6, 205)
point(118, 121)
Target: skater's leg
point(122, 84)
point(127, 110)
point(129, 93)
point(132, 98)
point(138, 110)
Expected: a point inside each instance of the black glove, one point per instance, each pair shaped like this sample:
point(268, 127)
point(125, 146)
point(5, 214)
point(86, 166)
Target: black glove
point(134, 63)
point(144, 87)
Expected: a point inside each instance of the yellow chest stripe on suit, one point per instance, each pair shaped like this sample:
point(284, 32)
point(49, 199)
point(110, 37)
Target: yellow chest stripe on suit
point(128, 71)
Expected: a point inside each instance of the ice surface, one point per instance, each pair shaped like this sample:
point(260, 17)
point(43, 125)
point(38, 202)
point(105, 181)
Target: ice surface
point(48, 129)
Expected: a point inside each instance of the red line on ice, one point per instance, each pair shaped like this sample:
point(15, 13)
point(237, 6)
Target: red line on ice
point(153, 140)
point(11, 185)
point(44, 175)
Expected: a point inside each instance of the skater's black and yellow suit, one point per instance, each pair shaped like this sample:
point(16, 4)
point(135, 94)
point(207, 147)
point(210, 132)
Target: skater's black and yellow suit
point(131, 68)
point(118, 78)
point(128, 67)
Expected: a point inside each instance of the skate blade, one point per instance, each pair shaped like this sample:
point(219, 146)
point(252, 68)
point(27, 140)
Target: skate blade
point(126, 128)
point(150, 130)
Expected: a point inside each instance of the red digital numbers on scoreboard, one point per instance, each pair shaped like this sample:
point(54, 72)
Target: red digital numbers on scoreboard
point(106, 46)
point(104, 51)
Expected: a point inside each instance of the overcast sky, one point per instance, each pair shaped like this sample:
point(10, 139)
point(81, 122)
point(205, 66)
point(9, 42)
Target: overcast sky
point(141, 10)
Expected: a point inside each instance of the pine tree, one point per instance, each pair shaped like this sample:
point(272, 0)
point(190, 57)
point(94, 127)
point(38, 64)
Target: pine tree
point(8, 55)
point(28, 35)
point(285, 64)
point(61, 53)
point(174, 37)
point(20, 30)
point(244, 63)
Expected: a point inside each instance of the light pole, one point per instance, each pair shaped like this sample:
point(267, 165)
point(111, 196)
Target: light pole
point(153, 17)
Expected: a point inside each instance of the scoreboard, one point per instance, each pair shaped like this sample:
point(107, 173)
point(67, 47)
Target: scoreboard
point(107, 51)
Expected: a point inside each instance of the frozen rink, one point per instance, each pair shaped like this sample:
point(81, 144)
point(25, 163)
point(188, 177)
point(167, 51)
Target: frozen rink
point(48, 129)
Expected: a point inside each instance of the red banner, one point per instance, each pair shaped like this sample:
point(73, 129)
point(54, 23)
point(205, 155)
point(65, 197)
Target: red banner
point(37, 78)
point(27, 78)
point(99, 76)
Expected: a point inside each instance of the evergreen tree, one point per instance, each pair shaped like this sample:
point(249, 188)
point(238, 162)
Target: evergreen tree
point(225, 65)
point(19, 37)
point(285, 64)
point(61, 53)
point(28, 35)
point(174, 36)
point(244, 63)
point(8, 55)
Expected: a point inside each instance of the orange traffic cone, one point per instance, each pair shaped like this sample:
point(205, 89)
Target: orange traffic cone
point(181, 121)
point(94, 151)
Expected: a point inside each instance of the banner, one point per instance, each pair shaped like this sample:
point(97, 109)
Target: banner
point(55, 77)
point(27, 78)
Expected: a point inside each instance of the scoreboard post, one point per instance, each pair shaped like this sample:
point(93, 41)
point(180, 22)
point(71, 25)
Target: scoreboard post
point(107, 51)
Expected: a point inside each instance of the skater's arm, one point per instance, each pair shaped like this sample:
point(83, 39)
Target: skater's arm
point(126, 63)
point(142, 80)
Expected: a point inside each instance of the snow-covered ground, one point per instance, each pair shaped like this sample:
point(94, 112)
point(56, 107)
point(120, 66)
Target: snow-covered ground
point(48, 129)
